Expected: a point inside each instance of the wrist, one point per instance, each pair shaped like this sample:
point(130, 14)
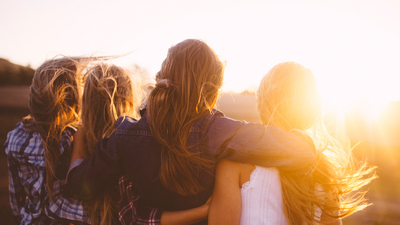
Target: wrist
point(203, 211)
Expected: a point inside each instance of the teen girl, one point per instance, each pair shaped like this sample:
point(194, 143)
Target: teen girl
point(246, 194)
point(171, 151)
point(38, 147)
point(109, 94)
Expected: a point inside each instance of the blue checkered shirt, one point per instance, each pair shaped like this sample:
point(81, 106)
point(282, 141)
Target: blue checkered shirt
point(29, 199)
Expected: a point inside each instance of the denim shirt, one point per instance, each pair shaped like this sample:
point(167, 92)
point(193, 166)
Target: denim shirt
point(131, 149)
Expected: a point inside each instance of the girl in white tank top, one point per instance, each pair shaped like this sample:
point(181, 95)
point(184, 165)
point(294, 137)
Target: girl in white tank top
point(260, 201)
point(245, 194)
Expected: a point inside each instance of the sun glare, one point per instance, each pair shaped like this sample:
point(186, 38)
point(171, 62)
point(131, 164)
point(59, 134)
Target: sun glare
point(344, 100)
point(353, 60)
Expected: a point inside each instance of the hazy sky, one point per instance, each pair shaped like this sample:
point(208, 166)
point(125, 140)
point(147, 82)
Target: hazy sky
point(353, 47)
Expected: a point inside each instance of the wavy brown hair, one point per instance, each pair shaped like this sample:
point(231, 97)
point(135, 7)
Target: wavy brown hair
point(108, 94)
point(54, 104)
point(187, 89)
point(288, 98)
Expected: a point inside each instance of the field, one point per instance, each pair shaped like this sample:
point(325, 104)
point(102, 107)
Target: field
point(384, 193)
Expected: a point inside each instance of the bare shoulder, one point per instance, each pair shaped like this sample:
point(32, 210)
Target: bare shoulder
point(240, 171)
point(227, 168)
point(227, 165)
point(245, 171)
point(244, 167)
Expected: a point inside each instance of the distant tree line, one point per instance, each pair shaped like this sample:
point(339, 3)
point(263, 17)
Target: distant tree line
point(13, 74)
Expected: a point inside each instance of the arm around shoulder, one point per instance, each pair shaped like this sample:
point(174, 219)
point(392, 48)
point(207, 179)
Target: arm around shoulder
point(188, 216)
point(261, 145)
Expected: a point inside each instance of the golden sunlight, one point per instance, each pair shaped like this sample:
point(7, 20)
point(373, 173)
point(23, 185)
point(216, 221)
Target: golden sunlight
point(352, 66)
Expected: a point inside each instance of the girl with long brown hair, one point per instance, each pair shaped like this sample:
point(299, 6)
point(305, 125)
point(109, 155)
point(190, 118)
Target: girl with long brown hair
point(38, 147)
point(170, 153)
point(288, 99)
point(108, 94)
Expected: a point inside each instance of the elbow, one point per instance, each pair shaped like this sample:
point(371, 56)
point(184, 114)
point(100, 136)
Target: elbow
point(306, 139)
point(306, 162)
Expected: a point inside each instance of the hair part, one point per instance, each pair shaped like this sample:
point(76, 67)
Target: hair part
point(187, 89)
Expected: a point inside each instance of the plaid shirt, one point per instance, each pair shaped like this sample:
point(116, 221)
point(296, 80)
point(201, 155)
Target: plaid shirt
point(131, 209)
point(27, 179)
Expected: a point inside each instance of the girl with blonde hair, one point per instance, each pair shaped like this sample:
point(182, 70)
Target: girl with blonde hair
point(38, 147)
point(325, 192)
point(170, 153)
point(108, 94)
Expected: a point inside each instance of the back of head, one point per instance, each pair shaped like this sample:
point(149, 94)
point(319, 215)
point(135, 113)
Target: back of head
point(108, 94)
point(192, 74)
point(186, 90)
point(288, 97)
point(54, 104)
point(55, 92)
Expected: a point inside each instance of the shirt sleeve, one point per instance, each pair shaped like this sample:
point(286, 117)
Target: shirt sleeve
point(74, 164)
point(16, 190)
point(266, 146)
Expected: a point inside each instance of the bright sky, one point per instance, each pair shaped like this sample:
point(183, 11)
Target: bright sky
point(353, 47)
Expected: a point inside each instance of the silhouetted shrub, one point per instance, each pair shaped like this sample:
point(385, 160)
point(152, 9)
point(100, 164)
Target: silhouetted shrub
point(13, 74)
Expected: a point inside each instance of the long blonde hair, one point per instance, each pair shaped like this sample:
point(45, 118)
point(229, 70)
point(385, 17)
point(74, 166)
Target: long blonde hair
point(54, 104)
point(288, 98)
point(108, 94)
point(186, 90)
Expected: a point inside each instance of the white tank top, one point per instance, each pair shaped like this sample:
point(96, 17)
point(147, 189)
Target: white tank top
point(262, 198)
